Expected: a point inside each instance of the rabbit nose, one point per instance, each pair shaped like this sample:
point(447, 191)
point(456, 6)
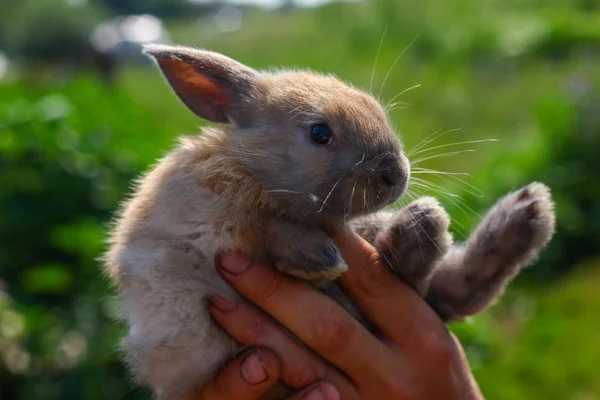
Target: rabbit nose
point(392, 170)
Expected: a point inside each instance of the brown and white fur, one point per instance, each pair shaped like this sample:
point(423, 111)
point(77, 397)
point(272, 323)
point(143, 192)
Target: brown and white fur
point(258, 183)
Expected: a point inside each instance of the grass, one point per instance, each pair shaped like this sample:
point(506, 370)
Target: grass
point(542, 343)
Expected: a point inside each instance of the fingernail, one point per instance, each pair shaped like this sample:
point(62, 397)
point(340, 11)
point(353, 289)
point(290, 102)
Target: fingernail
point(235, 263)
point(222, 304)
point(325, 391)
point(253, 369)
point(314, 395)
point(330, 392)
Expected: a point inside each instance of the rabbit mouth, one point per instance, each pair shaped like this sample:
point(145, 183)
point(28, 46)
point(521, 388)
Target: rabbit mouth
point(386, 185)
point(365, 197)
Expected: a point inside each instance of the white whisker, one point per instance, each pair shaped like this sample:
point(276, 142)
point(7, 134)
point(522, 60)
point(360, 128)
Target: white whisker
point(419, 170)
point(377, 59)
point(398, 106)
point(394, 64)
point(351, 197)
point(360, 162)
point(477, 192)
point(395, 254)
point(328, 195)
point(365, 198)
point(387, 260)
point(449, 154)
point(298, 114)
point(401, 93)
point(453, 144)
point(453, 175)
point(312, 196)
point(436, 135)
point(413, 225)
point(453, 220)
point(456, 199)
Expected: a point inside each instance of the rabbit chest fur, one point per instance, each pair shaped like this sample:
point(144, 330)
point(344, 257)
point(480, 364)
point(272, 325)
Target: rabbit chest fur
point(163, 257)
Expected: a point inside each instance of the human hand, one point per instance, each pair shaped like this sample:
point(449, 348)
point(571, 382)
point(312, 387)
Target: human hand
point(415, 357)
point(251, 375)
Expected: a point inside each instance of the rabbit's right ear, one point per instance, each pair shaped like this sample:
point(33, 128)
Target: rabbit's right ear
point(213, 86)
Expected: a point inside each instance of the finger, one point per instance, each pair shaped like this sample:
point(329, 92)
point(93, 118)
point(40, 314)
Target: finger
point(395, 308)
point(472, 388)
point(246, 378)
point(311, 316)
point(299, 366)
point(319, 391)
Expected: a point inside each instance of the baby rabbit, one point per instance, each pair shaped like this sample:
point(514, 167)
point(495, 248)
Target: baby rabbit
point(295, 153)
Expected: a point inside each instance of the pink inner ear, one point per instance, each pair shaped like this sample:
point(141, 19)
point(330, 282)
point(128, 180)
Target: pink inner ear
point(192, 84)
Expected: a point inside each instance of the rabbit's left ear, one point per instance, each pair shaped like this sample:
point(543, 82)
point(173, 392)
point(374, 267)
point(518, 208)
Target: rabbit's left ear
point(212, 86)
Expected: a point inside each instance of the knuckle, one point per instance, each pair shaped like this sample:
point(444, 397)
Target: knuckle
point(217, 389)
point(398, 389)
point(270, 287)
point(439, 348)
point(304, 376)
point(376, 279)
point(223, 390)
point(255, 330)
point(333, 332)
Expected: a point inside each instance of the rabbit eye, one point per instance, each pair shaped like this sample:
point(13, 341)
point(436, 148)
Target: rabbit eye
point(321, 134)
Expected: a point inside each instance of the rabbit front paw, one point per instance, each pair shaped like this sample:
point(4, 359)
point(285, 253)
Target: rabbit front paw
point(304, 252)
point(523, 223)
point(415, 239)
point(509, 237)
point(317, 262)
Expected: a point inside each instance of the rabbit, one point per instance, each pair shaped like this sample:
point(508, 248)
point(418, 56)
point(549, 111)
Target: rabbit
point(292, 154)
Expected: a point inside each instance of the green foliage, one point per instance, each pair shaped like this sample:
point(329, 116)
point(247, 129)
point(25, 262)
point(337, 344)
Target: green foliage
point(62, 174)
point(521, 71)
point(562, 154)
point(165, 8)
point(47, 31)
point(542, 343)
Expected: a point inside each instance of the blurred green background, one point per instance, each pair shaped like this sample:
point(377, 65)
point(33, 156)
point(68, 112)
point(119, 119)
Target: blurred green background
point(82, 114)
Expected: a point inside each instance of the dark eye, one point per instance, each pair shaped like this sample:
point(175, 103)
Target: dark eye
point(321, 134)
